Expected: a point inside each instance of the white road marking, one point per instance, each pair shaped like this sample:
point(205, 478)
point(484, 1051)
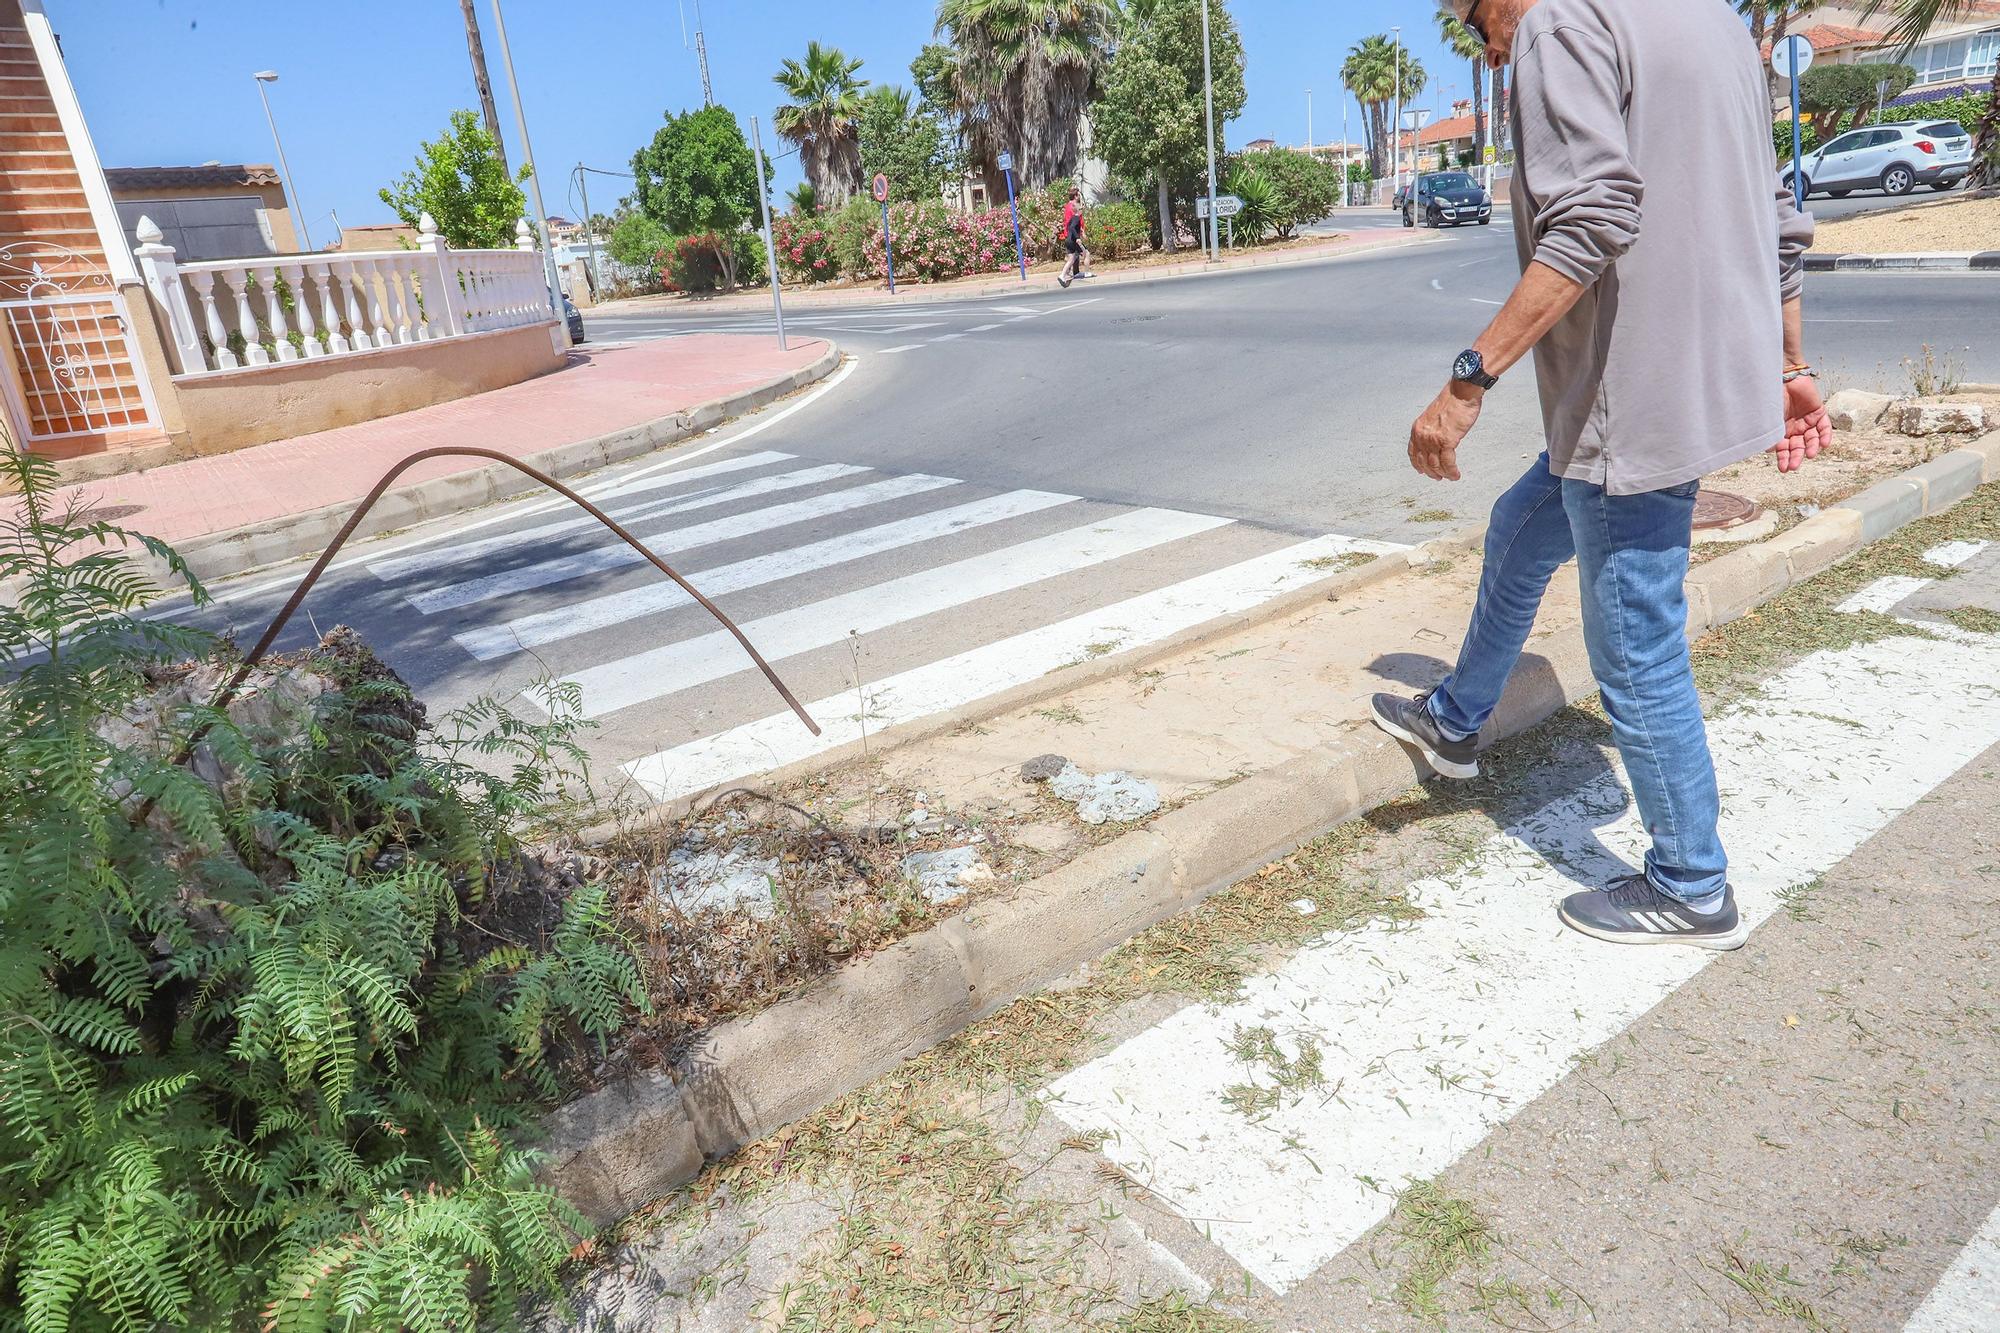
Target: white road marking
point(1434, 1032)
point(1953, 554)
point(410, 566)
point(982, 328)
point(513, 511)
point(1883, 594)
point(1480, 300)
point(946, 337)
point(1022, 311)
point(905, 328)
point(491, 641)
point(1015, 319)
point(955, 681)
point(906, 347)
point(1967, 1298)
point(1437, 285)
point(617, 555)
point(678, 666)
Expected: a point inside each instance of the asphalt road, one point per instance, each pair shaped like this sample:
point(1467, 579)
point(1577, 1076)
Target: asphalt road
point(993, 489)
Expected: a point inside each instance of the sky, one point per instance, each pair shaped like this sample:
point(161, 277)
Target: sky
point(362, 82)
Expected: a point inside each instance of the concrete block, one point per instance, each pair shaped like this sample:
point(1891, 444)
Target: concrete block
point(1227, 834)
point(750, 1076)
point(621, 1147)
point(1066, 918)
point(1553, 673)
point(1949, 479)
point(1743, 579)
point(1887, 505)
point(1987, 449)
point(1820, 542)
point(1920, 419)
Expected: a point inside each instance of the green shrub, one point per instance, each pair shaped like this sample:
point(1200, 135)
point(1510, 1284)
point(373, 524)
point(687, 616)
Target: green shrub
point(1115, 230)
point(805, 248)
point(694, 263)
point(1262, 206)
point(858, 221)
point(637, 239)
point(268, 1056)
point(1307, 187)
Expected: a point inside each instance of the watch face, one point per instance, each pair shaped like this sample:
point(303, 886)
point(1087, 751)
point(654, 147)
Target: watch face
point(1469, 363)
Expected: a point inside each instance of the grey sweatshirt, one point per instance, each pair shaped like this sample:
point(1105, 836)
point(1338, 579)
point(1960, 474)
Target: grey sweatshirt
point(1644, 170)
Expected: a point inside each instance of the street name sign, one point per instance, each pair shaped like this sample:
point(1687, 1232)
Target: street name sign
point(1226, 206)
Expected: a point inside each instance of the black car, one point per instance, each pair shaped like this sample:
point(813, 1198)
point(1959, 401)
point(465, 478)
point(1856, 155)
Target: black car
point(1447, 199)
point(574, 318)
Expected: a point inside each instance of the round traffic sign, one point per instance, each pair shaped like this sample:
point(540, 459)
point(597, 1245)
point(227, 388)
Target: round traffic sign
point(1792, 56)
point(880, 188)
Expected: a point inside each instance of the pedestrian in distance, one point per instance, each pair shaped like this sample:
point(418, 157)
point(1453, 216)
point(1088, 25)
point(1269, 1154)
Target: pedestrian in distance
point(1660, 293)
point(1076, 264)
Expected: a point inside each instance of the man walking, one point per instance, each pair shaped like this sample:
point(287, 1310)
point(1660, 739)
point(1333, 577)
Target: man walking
point(1661, 274)
point(1075, 264)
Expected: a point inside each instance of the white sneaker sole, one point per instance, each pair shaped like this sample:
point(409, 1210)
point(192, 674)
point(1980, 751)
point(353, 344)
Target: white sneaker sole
point(1734, 939)
point(1443, 766)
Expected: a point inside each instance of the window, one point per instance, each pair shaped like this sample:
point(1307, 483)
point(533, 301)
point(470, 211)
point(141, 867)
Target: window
point(1945, 129)
point(1847, 143)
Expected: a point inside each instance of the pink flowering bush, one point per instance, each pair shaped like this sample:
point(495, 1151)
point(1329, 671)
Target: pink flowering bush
point(934, 243)
point(805, 248)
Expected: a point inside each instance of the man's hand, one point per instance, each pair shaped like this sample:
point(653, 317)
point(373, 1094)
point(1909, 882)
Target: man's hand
point(1435, 438)
point(1807, 427)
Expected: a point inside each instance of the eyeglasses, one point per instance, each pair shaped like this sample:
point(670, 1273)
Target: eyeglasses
point(1471, 21)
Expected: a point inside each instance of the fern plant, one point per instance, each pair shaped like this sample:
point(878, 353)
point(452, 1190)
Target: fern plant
point(262, 1060)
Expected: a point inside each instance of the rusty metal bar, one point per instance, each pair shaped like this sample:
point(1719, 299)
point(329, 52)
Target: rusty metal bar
point(277, 625)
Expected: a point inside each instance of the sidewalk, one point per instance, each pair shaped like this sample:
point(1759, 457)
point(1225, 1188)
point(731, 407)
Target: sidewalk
point(231, 511)
point(1041, 277)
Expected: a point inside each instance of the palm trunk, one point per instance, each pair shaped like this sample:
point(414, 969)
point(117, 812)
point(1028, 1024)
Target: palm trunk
point(1500, 107)
point(1166, 217)
point(1986, 143)
point(1478, 111)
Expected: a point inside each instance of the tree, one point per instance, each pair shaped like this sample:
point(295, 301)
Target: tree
point(906, 143)
point(1914, 19)
point(481, 81)
point(637, 240)
point(1306, 188)
point(820, 119)
point(1149, 121)
point(1027, 70)
point(1370, 74)
point(1465, 44)
point(698, 177)
point(1831, 92)
point(461, 181)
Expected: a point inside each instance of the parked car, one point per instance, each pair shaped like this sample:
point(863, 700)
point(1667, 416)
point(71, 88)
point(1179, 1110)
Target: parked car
point(1894, 158)
point(1446, 199)
point(574, 318)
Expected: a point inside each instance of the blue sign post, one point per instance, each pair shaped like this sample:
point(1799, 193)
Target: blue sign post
point(880, 189)
point(1791, 59)
point(1007, 169)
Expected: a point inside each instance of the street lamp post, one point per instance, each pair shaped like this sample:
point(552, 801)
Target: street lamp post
point(1208, 125)
point(1396, 130)
point(264, 76)
point(1346, 189)
point(770, 248)
point(528, 153)
point(1309, 121)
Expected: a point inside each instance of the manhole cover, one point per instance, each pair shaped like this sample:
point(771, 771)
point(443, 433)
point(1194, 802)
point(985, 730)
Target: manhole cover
point(113, 513)
point(1135, 319)
point(1721, 509)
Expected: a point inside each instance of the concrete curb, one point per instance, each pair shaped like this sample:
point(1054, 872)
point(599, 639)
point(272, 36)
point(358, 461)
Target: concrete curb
point(926, 293)
point(224, 554)
point(629, 1143)
point(1941, 262)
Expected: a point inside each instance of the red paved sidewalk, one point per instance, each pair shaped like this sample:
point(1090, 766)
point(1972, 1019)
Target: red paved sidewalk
point(602, 390)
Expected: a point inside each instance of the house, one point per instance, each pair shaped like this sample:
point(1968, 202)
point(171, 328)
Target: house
point(1955, 57)
point(211, 211)
point(1448, 142)
point(151, 313)
point(1260, 146)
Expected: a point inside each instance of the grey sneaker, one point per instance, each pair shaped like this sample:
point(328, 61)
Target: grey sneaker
point(1410, 721)
point(1632, 911)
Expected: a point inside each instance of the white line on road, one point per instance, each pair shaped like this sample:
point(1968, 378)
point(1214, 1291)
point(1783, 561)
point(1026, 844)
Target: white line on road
point(906, 347)
point(618, 608)
point(618, 555)
point(946, 337)
point(409, 566)
point(982, 328)
point(1967, 1298)
point(679, 666)
point(1437, 285)
point(1435, 1032)
point(1953, 554)
point(979, 672)
point(1882, 595)
point(1483, 301)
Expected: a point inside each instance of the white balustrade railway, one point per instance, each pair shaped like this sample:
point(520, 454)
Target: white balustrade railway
point(227, 314)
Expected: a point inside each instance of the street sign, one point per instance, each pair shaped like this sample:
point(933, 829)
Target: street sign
point(1006, 161)
point(880, 188)
point(1226, 206)
point(1492, 154)
point(1792, 56)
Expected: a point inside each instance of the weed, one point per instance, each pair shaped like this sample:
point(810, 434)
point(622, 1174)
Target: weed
point(1975, 619)
point(1440, 1234)
point(1798, 898)
point(1174, 1314)
point(1768, 1288)
point(1932, 376)
point(1338, 564)
point(1064, 714)
point(1432, 516)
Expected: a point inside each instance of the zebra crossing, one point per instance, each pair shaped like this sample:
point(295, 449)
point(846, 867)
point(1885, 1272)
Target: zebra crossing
point(884, 597)
point(899, 328)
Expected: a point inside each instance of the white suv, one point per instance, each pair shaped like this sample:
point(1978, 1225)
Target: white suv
point(1894, 158)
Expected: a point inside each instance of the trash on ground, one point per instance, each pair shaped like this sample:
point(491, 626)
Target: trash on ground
point(1102, 798)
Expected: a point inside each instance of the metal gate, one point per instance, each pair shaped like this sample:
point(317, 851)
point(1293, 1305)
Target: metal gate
point(74, 371)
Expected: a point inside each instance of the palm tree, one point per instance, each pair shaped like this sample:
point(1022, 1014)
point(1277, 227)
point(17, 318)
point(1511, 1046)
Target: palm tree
point(1913, 21)
point(1465, 44)
point(826, 101)
point(1370, 74)
point(1027, 70)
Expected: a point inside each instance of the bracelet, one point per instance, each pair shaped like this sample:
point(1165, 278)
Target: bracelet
point(1801, 373)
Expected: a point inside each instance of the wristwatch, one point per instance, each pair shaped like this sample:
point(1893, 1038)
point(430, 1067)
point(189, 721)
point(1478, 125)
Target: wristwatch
point(1470, 368)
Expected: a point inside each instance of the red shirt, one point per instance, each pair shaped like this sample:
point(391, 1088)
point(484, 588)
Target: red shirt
point(1070, 211)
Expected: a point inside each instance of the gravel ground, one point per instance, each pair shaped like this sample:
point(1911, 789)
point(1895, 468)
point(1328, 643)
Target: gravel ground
point(1955, 225)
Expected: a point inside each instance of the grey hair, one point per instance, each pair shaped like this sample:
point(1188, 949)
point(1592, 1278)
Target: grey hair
point(1458, 9)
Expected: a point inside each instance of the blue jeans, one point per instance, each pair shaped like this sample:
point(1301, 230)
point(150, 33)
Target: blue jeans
point(1632, 559)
